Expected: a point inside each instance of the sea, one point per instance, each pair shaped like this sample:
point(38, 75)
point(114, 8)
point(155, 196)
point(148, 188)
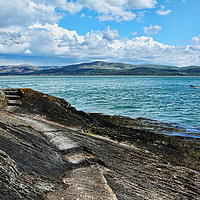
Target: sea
point(166, 99)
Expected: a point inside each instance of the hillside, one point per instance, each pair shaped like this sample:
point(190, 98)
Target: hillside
point(101, 68)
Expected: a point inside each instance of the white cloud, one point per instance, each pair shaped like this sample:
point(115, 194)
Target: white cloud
point(82, 15)
point(72, 7)
point(27, 52)
point(56, 45)
point(152, 30)
point(51, 39)
point(196, 40)
point(25, 12)
point(109, 34)
point(119, 10)
point(121, 16)
point(196, 45)
point(141, 4)
point(162, 11)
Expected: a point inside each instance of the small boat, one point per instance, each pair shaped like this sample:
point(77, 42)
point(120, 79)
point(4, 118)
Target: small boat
point(194, 86)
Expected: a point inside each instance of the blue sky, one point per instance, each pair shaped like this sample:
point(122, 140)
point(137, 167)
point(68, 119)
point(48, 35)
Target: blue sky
point(61, 32)
point(182, 22)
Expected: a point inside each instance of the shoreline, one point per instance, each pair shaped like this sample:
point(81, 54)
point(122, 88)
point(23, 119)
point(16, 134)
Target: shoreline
point(50, 150)
point(122, 129)
point(99, 75)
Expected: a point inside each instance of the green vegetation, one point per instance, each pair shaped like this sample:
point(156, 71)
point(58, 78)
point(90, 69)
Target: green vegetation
point(102, 68)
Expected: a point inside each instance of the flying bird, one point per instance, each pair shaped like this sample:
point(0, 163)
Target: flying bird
point(10, 41)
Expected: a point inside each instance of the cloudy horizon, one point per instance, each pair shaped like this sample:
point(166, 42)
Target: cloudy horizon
point(61, 32)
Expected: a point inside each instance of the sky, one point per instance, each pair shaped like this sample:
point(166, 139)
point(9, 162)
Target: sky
point(62, 32)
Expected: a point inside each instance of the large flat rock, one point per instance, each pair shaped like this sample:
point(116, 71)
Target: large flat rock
point(49, 150)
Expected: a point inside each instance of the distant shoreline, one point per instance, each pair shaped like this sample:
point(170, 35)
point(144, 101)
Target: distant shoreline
point(99, 68)
point(99, 75)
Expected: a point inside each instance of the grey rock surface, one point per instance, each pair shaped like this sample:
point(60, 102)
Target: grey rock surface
point(49, 150)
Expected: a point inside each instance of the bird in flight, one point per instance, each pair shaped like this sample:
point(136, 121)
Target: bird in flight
point(10, 41)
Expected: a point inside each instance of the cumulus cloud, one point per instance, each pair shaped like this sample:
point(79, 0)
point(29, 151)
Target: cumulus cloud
point(108, 10)
point(196, 44)
point(152, 30)
point(196, 40)
point(123, 16)
point(119, 10)
point(17, 13)
point(162, 11)
point(72, 7)
point(141, 4)
point(109, 34)
point(50, 42)
point(25, 12)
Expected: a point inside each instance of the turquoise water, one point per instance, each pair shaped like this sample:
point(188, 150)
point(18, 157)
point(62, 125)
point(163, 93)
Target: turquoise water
point(168, 99)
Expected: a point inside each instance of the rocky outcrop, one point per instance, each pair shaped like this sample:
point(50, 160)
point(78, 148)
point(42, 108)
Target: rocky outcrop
point(49, 150)
point(27, 160)
point(152, 136)
point(53, 108)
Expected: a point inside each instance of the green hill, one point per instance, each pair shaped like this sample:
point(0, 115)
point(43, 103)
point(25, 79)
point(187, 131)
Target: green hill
point(102, 68)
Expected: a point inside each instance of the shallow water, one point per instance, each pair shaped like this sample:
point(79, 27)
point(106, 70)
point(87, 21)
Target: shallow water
point(167, 99)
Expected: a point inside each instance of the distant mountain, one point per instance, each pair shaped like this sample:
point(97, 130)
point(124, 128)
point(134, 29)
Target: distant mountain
point(7, 70)
point(101, 68)
point(18, 70)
